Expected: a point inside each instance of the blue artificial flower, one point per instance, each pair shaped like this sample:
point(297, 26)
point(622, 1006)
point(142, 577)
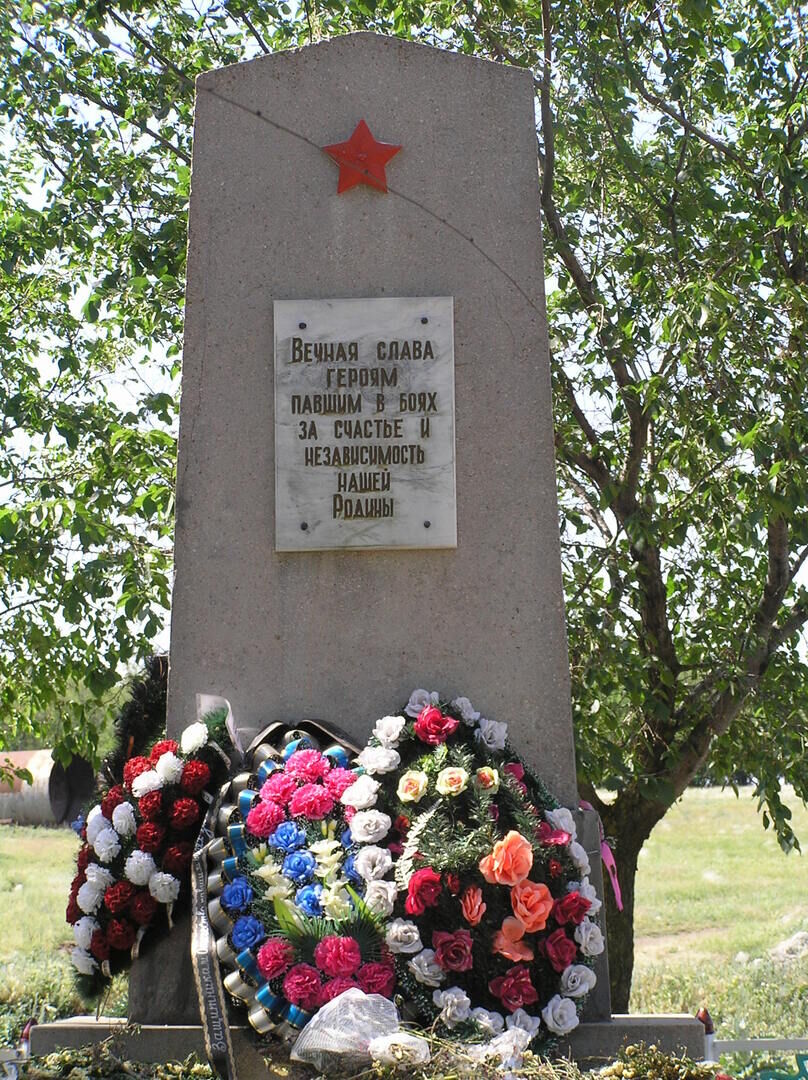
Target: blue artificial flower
point(346, 839)
point(299, 867)
point(308, 899)
point(246, 933)
point(349, 869)
point(237, 896)
point(78, 824)
point(288, 837)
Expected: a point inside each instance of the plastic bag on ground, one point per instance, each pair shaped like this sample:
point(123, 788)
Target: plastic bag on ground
point(336, 1038)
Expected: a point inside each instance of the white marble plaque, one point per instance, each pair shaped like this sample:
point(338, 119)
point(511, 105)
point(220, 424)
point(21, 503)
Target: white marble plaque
point(364, 424)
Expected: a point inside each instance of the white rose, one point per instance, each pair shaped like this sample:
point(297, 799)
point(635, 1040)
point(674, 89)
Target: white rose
point(403, 937)
point(193, 738)
point(388, 730)
point(521, 1019)
point(361, 794)
point(562, 819)
point(89, 898)
point(95, 823)
point(99, 877)
point(379, 759)
point(123, 820)
point(369, 826)
point(107, 844)
point(83, 931)
point(560, 1015)
point(169, 768)
point(400, 1048)
point(146, 782)
point(454, 1005)
point(467, 711)
point(425, 969)
point(165, 888)
point(589, 937)
point(491, 734)
point(380, 897)
point(373, 862)
point(588, 892)
point(419, 699)
point(577, 980)
point(579, 857)
point(83, 962)
point(490, 1023)
point(139, 867)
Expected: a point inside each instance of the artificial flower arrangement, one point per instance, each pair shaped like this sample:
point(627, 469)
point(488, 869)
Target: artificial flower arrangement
point(134, 862)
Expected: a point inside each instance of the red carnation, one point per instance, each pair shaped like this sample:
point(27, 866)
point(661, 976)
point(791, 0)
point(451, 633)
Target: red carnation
point(302, 986)
point(142, 907)
point(423, 891)
point(83, 857)
point(452, 951)
point(117, 896)
point(184, 813)
point(195, 777)
point(165, 746)
point(177, 858)
point(338, 955)
point(99, 946)
point(73, 912)
point(113, 798)
point(77, 883)
point(150, 806)
point(377, 979)
point(433, 728)
point(150, 837)
point(121, 934)
point(514, 989)
point(334, 987)
point(571, 908)
point(559, 950)
point(133, 768)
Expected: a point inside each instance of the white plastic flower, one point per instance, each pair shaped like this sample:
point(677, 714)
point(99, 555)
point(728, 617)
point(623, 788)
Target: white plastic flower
point(336, 903)
point(403, 937)
point(279, 887)
point(373, 862)
point(492, 734)
point(419, 699)
point(520, 1019)
point(328, 854)
point(139, 867)
point(489, 1023)
point(148, 781)
point(169, 768)
point(193, 738)
point(388, 730)
point(467, 711)
point(370, 826)
point(509, 1047)
point(83, 931)
point(165, 888)
point(380, 897)
point(361, 794)
point(454, 1005)
point(560, 1015)
point(379, 759)
point(83, 961)
point(589, 937)
point(579, 857)
point(89, 898)
point(107, 844)
point(562, 819)
point(577, 980)
point(95, 823)
point(426, 969)
point(99, 877)
point(401, 1048)
point(123, 819)
point(588, 892)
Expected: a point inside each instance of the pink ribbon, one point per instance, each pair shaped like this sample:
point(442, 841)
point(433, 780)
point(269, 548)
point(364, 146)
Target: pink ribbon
point(607, 855)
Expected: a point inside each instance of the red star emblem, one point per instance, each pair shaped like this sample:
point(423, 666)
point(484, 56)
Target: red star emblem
point(361, 159)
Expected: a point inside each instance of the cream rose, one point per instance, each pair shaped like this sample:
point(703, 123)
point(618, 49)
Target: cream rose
point(412, 785)
point(452, 781)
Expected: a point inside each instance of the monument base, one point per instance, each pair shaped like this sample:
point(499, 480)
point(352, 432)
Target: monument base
point(592, 1043)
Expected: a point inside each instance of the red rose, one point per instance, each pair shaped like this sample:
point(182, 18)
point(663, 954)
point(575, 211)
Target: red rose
point(73, 912)
point(377, 979)
point(143, 907)
point(184, 813)
point(514, 989)
point(121, 934)
point(177, 858)
point(559, 950)
point(514, 769)
point(423, 891)
point(99, 946)
point(401, 825)
point(452, 951)
point(338, 955)
point(195, 777)
point(150, 806)
point(334, 987)
point(571, 908)
point(302, 986)
point(113, 798)
point(555, 868)
point(150, 837)
point(83, 858)
point(133, 768)
point(117, 896)
point(552, 837)
point(165, 746)
point(433, 728)
point(453, 884)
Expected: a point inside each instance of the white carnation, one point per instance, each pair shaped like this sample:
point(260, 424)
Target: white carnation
point(523, 1020)
point(560, 1015)
point(588, 892)
point(490, 1023)
point(139, 867)
point(577, 980)
point(380, 897)
point(146, 782)
point(491, 734)
point(165, 888)
point(99, 876)
point(169, 768)
point(89, 898)
point(403, 937)
point(426, 969)
point(361, 794)
point(369, 826)
point(419, 699)
point(123, 818)
point(379, 759)
point(562, 819)
point(454, 1005)
point(95, 823)
point(83, 962)
point(193, 738)
point(373, 862)
point(107, 844)
point(83, 931)
point(467, 711)
point(400, 1048)
point(579, 857)
point(388, 730)
point(589, 937)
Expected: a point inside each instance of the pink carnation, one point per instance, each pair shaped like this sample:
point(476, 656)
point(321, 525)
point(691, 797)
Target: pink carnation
point(279, 788)
point(302, 986)
point(274, 957)
point(338, 955)
point(377, 979)
point(339, 780)
point(311, 800)
point(334, 987)
point(264, 818)
point(308, 765)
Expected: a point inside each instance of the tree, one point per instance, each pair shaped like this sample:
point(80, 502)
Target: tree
point(673, 143)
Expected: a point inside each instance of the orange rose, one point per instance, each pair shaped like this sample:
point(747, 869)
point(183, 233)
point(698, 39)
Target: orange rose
point(510, 862)
point(472, 905)
point(508, 941)
point(531, 905)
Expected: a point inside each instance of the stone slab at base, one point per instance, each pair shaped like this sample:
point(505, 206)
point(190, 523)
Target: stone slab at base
point(592, 1044)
